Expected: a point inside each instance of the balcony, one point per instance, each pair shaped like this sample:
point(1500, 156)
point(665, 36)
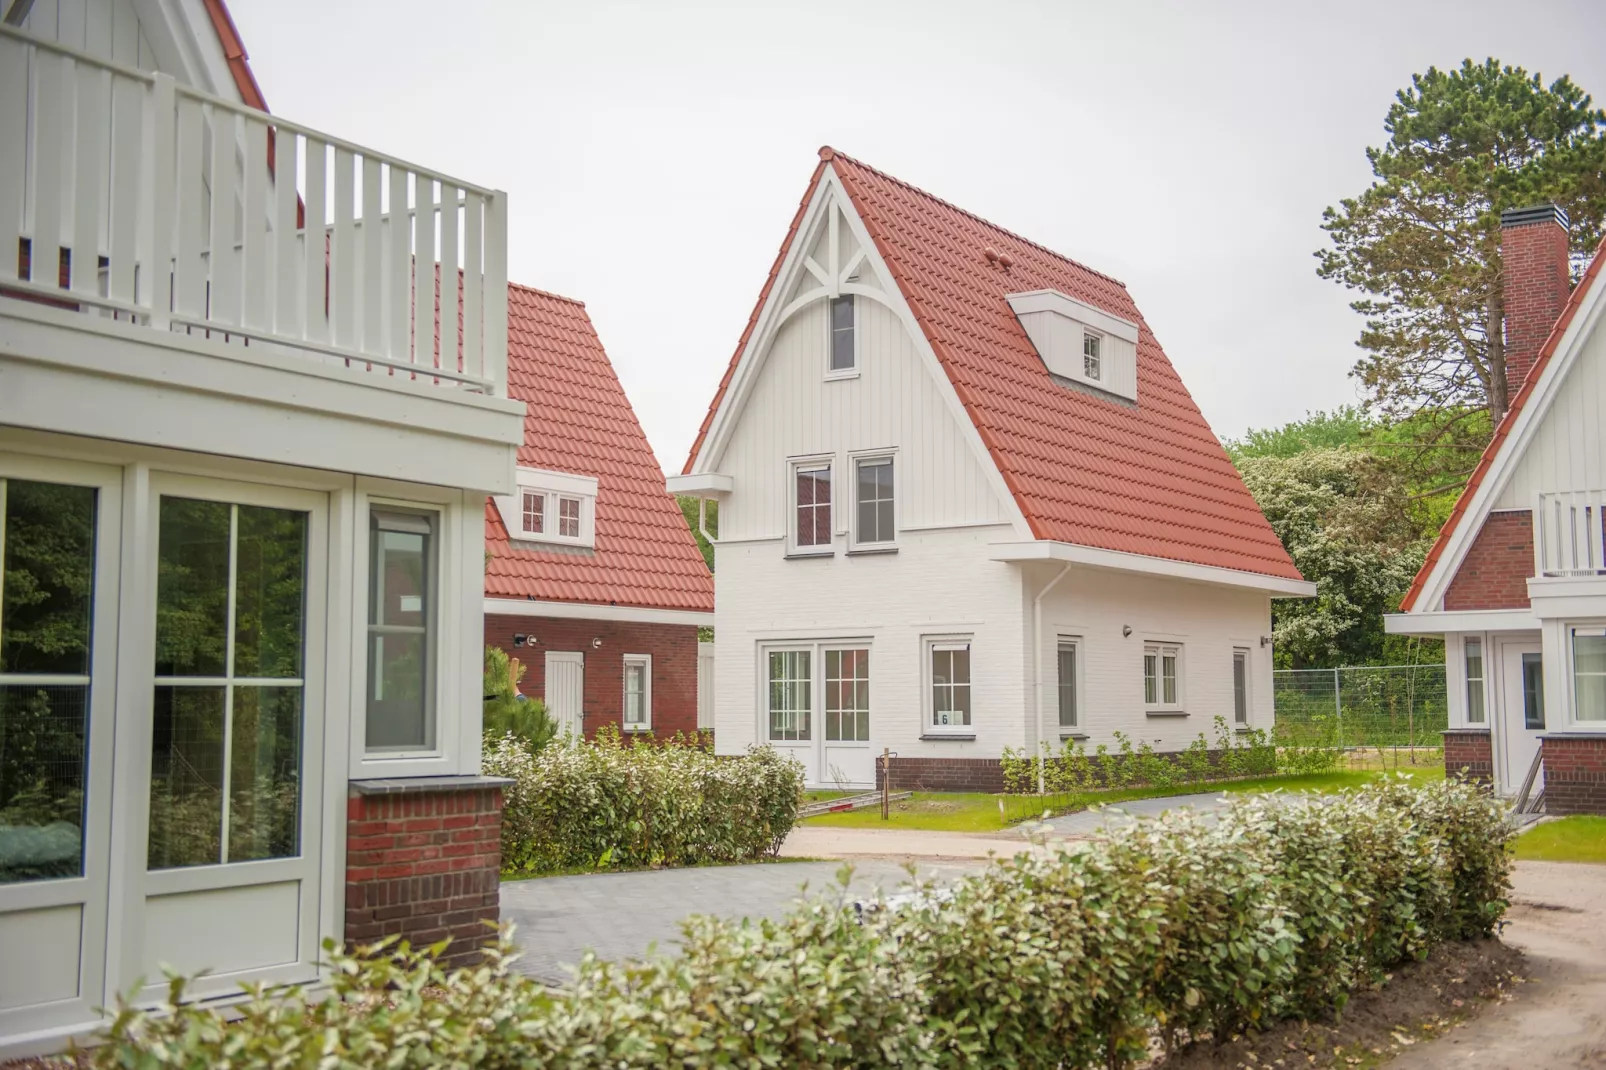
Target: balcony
point(129, 197)
point(1568, 534)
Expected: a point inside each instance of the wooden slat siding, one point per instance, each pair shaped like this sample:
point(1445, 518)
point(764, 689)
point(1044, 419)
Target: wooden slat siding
point(287, 255)
point(157, 206)
point(70, 22)
point(398, 268)
point(88, 177)
point(14, 99)
point(473, 286)
point(373, 260)
point(423, 271)
point(125, 34)
point(127, 189)
point(448, 278)
point(189, 177)
point(223, 297)
point(52, 117)
point(253, 227)
point(496, 292)
point(314, 251)
point(343, 256)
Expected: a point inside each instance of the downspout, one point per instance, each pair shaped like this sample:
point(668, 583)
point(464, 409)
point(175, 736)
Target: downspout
point(702, 521)
point(1037, 669)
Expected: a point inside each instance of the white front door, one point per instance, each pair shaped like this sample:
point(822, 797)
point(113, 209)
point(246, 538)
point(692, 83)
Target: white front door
point(1521, 719)
point(816, 708)
point(565, 690)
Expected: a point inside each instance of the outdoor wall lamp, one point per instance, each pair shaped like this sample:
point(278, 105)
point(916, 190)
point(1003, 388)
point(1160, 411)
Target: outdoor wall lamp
point(1126, 630)
point(596, 644)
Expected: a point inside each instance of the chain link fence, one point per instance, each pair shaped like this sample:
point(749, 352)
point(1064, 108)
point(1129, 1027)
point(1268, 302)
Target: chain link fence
point(1386, 709)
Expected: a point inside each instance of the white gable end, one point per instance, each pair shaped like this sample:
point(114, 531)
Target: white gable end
point(1566, 448)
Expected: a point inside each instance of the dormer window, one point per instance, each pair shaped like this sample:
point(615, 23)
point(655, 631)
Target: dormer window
point(1085, 345)
point(1090, 355)
point(844, 356)
point(550, 507)
point(534, 512)
point(569, 517)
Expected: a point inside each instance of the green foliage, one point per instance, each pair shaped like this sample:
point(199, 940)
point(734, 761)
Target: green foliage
point(506, 713)
point(1172, 929)
point(688, 509)
point(1344, 426)
point(1423, 241)
point(643, 803)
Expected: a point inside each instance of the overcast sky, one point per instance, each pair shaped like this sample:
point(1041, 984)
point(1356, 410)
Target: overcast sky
point(654, 152)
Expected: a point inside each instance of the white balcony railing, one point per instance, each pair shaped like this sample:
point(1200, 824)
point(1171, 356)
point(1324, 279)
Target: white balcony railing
point(152, 202)
point(1568, 533)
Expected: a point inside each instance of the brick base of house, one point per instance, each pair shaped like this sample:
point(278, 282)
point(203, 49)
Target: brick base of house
point(1468, 753)
point(424, 862)
point(945, 774)
point(1575, 773)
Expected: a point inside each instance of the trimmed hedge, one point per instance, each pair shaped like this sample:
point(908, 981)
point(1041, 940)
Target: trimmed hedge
point(585, 805)
point(1174, 928)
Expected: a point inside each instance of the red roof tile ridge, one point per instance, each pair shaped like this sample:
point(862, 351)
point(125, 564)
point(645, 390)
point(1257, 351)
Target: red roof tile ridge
point(545, 293)
point(837, 154)
point(239, 60)
point(1502, 432)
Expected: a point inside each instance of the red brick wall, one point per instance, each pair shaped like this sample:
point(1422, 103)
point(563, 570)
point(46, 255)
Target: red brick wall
point(1469, 749)
point(1535, 287)
point(674, 665)
point(945, 774)
point(1575, 774)
point(1494, 574)
point(425, 865)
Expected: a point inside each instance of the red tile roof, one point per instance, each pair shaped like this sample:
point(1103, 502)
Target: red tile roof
point(580, 421)
point(234, 51)
point(1503, 432)
point(1148, 479)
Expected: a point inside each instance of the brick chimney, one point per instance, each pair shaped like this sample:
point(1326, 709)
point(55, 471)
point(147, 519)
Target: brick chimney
point(1533, 247)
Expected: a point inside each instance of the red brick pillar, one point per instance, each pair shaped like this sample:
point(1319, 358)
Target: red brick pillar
point(1468, 753)
point(1575, 773)
point(424, 861)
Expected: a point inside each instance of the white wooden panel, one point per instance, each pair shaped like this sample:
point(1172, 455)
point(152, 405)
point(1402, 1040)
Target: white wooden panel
point(254, 226)
point(315, 250)
point(125, 34)
point(189, 295)
point(128, 188)
point(47, 941)
point(705, 687)
point(89, 177)
point(71, 23)
point(98, 19)
point(53, 89)
point(565, 689)
point(343, 255)
point(1567, 450)
point(225, 930)
point(473, 286)
point(42, 19)
point(223, 298)
point(287, 257)
point(423, 271)
point(373, 262)
point(14, 161)
point(448, 278)
point(398, 268)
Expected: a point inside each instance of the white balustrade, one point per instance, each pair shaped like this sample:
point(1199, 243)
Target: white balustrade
point(124, 192)
point(1568, 533)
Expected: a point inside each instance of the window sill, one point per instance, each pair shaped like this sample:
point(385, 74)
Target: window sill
point(1244, 729)
point(845, 373)
point(867, 550)
point(804, 555)
point(948, 737)
point(1165, 713)
point(1072, 733)
point(414, 784)
point(636, 729)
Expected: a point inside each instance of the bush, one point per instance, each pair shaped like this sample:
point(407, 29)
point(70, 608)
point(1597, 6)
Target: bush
point(507, 712)
point(610, 803)
point(1173, 928)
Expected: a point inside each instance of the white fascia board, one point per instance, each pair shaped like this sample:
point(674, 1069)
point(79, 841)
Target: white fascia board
point(1093, 557)
point(700, 484)
point(1069, 307)
point(520, 607)
point(557, 482)
point(1466, 620)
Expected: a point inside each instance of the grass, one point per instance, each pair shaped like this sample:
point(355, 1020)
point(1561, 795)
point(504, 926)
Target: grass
point(931, 810)
point(1568, 839)
point(576, 871)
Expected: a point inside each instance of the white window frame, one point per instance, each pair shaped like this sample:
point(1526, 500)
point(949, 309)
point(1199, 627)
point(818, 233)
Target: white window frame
point(1096, 374)
point(852, 370)
point(857, 543)
point(1159, 648)
point(1575, 721)
point(1242, 653)
point(554, 488)
point(431, 629)
point(929, 645)
point(1475, 685)
point(794, 466)
point(645, 663)
point(1073, 645)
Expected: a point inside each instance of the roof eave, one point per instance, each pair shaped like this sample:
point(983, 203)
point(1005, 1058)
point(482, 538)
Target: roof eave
point(1095, 557)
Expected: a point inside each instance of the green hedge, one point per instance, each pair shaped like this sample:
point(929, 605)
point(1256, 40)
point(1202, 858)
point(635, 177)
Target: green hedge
point(1073, 958)
point(586, 805)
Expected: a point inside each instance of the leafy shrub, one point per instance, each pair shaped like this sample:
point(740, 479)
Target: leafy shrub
point(611, 803)
point(507, 712)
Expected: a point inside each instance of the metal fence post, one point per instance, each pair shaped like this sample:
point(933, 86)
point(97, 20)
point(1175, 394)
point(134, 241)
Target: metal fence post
point(1338, 712)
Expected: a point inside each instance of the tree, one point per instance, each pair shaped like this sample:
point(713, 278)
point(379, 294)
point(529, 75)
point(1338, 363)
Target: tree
point(1423, 241)
point(688, 509)
point(509, 713)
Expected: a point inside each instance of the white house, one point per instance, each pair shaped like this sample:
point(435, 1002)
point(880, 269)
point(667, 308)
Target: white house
point(1516, 583)
point(242, 490)
point(966, 504)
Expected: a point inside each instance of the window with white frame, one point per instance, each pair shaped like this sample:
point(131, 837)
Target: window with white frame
point(874, 513)
point(1090, 355)
point(844, 355)
point(948, 663)
point(402, 625)
point(638, 692)
point(550, 507)
point(1240, 686)
point(1067, 682)
point(1533, 691)
point(847, 694)
point(790, 699)
point(568, 517)
point(811, 507)
point(1589, 674)
point(533, 512)
point(1474, 660)
point(1162, 687)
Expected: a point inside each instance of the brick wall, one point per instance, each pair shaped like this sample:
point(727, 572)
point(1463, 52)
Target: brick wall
point(945, 774)
point(1533, 253)
point(1575, 774)
point(673, 648)
point(1469, 749)
point(424, 864)
point(1494, 574)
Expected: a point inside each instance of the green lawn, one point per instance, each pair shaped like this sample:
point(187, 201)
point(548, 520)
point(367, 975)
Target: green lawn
point(1570, 839)
point(936, 811)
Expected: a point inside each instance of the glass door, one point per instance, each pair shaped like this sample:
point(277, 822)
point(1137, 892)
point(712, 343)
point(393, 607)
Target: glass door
point(817, 710)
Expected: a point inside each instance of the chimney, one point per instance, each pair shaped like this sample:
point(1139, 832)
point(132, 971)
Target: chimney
point(1533, 247)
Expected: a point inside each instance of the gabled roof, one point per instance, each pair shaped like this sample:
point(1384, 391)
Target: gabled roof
point(1087, 469)
point(579, 420)
point(1502, 433)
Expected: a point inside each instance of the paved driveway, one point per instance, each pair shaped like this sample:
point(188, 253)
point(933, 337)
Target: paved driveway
point(1085, 821)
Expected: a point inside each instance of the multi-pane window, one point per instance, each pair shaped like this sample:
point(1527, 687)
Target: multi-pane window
point(812, 502)
point(226, 718)
point(791, 698)
point(1533, 691)
point(638, 691)
point(1067, 683)
point(950, 684)
point(873, 500)
point(534, 508)
point(847, 695)
point(1240, 686)
point(47, 581)
point(1160, 686)
point(1589, 673)
point(1090, 355)
point(1474, 656)
point(569, 517)
point(843, 357)
point(401, 631)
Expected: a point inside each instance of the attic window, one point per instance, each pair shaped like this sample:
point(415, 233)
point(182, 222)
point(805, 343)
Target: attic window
point(550, 507)
point(843, 357)
point(1090, 354)
point(1080, 343)
point(534, 512)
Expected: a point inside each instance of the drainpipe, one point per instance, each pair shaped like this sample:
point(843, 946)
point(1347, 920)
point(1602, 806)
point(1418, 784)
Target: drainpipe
point(702, 520)
point(1037, 668)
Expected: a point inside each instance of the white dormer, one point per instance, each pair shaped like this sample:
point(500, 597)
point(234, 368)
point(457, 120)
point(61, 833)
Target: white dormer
point(1080, 342)
point(550, 507)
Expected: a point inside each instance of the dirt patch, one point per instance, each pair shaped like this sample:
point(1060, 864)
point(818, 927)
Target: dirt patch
point(1420, 1001)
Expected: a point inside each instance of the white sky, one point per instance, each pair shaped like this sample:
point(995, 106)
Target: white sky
point(654, 152)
